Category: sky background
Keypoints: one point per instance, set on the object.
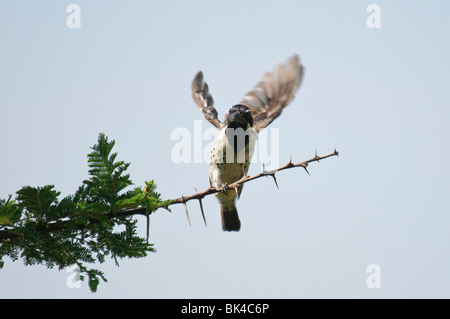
(379, 96)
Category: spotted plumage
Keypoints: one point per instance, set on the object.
(235, 143)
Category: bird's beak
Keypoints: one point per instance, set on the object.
(237, 119)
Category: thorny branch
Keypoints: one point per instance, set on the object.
(200, 195)
(245, 179)
(6, 234)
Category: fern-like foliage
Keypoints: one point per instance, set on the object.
(107, 176)
(83, 228)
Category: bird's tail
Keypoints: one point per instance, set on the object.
(230, 218)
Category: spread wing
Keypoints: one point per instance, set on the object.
(275, 91)
(204, 100)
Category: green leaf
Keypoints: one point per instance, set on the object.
(108, 176)
(10, 213)
(94, 280)
(37, 200)
(82, 228)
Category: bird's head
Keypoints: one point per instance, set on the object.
(239, 116)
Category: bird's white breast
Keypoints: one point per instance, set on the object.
(226, 172)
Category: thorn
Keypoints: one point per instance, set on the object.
(148, 227)
(275, 180)
(304, 166)
(203, 213)
(336, 152)
(9, 198)
(186, 209)
(316, 157)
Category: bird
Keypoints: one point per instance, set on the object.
(235, 142)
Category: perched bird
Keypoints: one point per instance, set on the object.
(234, 146)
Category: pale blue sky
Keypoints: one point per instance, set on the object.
(380, 96)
